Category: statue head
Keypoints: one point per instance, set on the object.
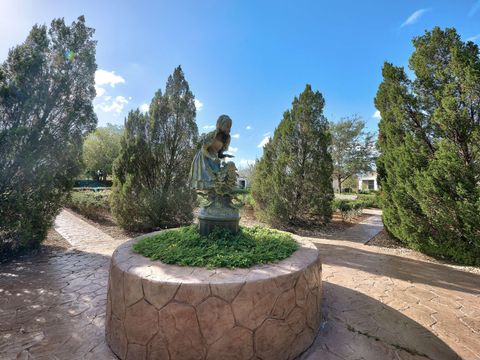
(224, 124)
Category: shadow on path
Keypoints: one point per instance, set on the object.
(52, 306)
(356, 326)
(398, 267)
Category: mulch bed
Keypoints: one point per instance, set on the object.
(383, 239)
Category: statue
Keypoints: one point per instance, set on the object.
(215, 179)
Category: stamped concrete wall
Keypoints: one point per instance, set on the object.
(158, 311)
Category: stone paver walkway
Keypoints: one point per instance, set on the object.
(383, 306)
(376, 305)
(84, 236)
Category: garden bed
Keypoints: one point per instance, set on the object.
(161, 311)
(222, 248)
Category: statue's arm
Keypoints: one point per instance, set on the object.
(221, 154)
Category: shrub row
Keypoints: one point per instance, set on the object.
(351, 208)
(91, 204)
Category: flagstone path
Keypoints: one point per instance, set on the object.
(377, 304)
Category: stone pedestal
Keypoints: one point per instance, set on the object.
(219, 213)
(159, 311)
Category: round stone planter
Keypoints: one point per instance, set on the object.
(157, 311)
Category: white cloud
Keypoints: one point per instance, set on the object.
(247, 162)
(232, 149)
(198, 105)
(104, 77)
(115, 105)
(209, 127)
(144, 107)
(264, 141)
(99, 90)
(376, 114)
(412, 19)
(249, 127)
(475, 37)
(236, 136)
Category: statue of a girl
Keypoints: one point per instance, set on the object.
(207, 169)
(215, 179)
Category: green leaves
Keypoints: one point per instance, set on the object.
(150, 187)
(45, 111)
(429, 143)
(101, 148)
(292, 180)
(185, 246)
(353, 149)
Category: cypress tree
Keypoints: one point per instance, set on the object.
(293, 179)
(46, 93)
(429, 141)
(150, 185)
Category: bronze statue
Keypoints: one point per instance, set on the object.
(209, 171)
(215, 179)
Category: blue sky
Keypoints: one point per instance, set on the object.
(247, 59)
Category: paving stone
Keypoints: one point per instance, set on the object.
(141, 322)
(301, 290)
(273, 340)
(133, 291)
(136, 352)
(254, 303)
(176, 316)
(117, 338)
(157, 294)
(157, 347)
(192, 295)
(311, 310)
(284, 304)
(297, 320)
(116, 287)
(301, 342)
(226, 291)
(215, 318)
(236, 344)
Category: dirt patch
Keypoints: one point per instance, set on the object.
(383, 239)
(54, 241)
(310, 229)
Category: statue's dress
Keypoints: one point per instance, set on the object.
(206, 164)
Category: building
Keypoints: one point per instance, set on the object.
(242, 183)
(368, 181)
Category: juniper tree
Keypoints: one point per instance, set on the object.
(46, 93)
(429, 142)
(293, 179)
(150, 185)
